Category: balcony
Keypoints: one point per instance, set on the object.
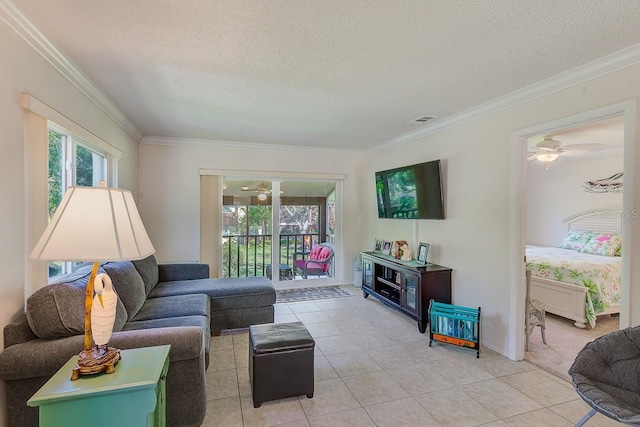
(248, 255)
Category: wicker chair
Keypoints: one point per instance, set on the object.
(605, 375)
(317, 262)
(534, 314)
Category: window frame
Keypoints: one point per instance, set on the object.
(70, 143)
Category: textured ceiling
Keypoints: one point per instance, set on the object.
(333, 73)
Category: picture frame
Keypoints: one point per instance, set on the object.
(386, 247)
(378, 245)
(423, 252)
(397, 245)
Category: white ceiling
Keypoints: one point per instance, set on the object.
(346, 74)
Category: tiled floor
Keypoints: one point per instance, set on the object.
(373, 368)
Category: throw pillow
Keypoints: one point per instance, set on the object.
(57, 310)
(576, 239)
(148, 270)
(128, 284)
(603, 244)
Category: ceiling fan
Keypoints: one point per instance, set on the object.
(550, 149)
(260, 188)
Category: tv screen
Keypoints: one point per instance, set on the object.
(410, 192)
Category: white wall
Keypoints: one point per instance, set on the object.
(554, 194)
(474, 239)
(170, 192)
(22, 70)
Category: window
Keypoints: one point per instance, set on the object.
(72, 162)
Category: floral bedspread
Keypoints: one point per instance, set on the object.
(599, 274)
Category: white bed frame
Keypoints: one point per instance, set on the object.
(566, 299)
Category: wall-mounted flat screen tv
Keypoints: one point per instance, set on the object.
(410, 192)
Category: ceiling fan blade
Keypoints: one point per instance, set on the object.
(535, 149)
(576, 153)
(586, 146)
(531, 157)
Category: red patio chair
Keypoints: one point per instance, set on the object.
(318, 262)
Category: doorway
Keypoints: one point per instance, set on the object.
(563, 186)
(277, 228)
(518, 214)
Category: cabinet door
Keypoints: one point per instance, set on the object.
(158, 417)
(367, 272)
(410, 289)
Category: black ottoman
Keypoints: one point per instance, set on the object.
(280, 361)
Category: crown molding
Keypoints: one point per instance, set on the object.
(25, 30)
(608, 64)
(246, 146)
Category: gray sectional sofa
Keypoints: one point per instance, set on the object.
(158, 304)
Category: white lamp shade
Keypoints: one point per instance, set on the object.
(94, 224)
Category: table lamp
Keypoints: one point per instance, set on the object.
(95, 224)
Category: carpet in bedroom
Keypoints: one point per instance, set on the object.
(564, 342)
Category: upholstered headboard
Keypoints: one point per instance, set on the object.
(603, 220)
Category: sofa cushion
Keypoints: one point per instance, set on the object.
(57, 310)
(228, 293)
(174, 306)
(148, 270)
(128, 284)
(169, 322)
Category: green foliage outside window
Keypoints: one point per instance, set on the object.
(84, 167)
(55, 171)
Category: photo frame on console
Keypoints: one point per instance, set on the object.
(423, 252)
(378, 245)
(386, 247)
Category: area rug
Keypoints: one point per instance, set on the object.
(564, 341)
(308, 294)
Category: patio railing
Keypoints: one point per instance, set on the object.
(248, 255)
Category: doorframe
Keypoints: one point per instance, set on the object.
(630, 297)
(278, 176)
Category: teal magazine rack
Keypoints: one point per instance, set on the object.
(453, 324)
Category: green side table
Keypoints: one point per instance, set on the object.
(134, 395)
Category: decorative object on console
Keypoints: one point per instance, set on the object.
(397, 248)
(423, 252)
(95, 224)
(378, 245)
(407, 255)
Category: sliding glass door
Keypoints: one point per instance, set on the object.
(302, 244)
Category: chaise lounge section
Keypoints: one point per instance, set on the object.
(175, 304)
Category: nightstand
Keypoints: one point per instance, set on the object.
(134, 395)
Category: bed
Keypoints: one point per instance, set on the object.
(576, 285)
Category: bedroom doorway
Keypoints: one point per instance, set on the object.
(571, 200)
(534, 193)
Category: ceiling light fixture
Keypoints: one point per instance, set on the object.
(547, 157)
(262, 197)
